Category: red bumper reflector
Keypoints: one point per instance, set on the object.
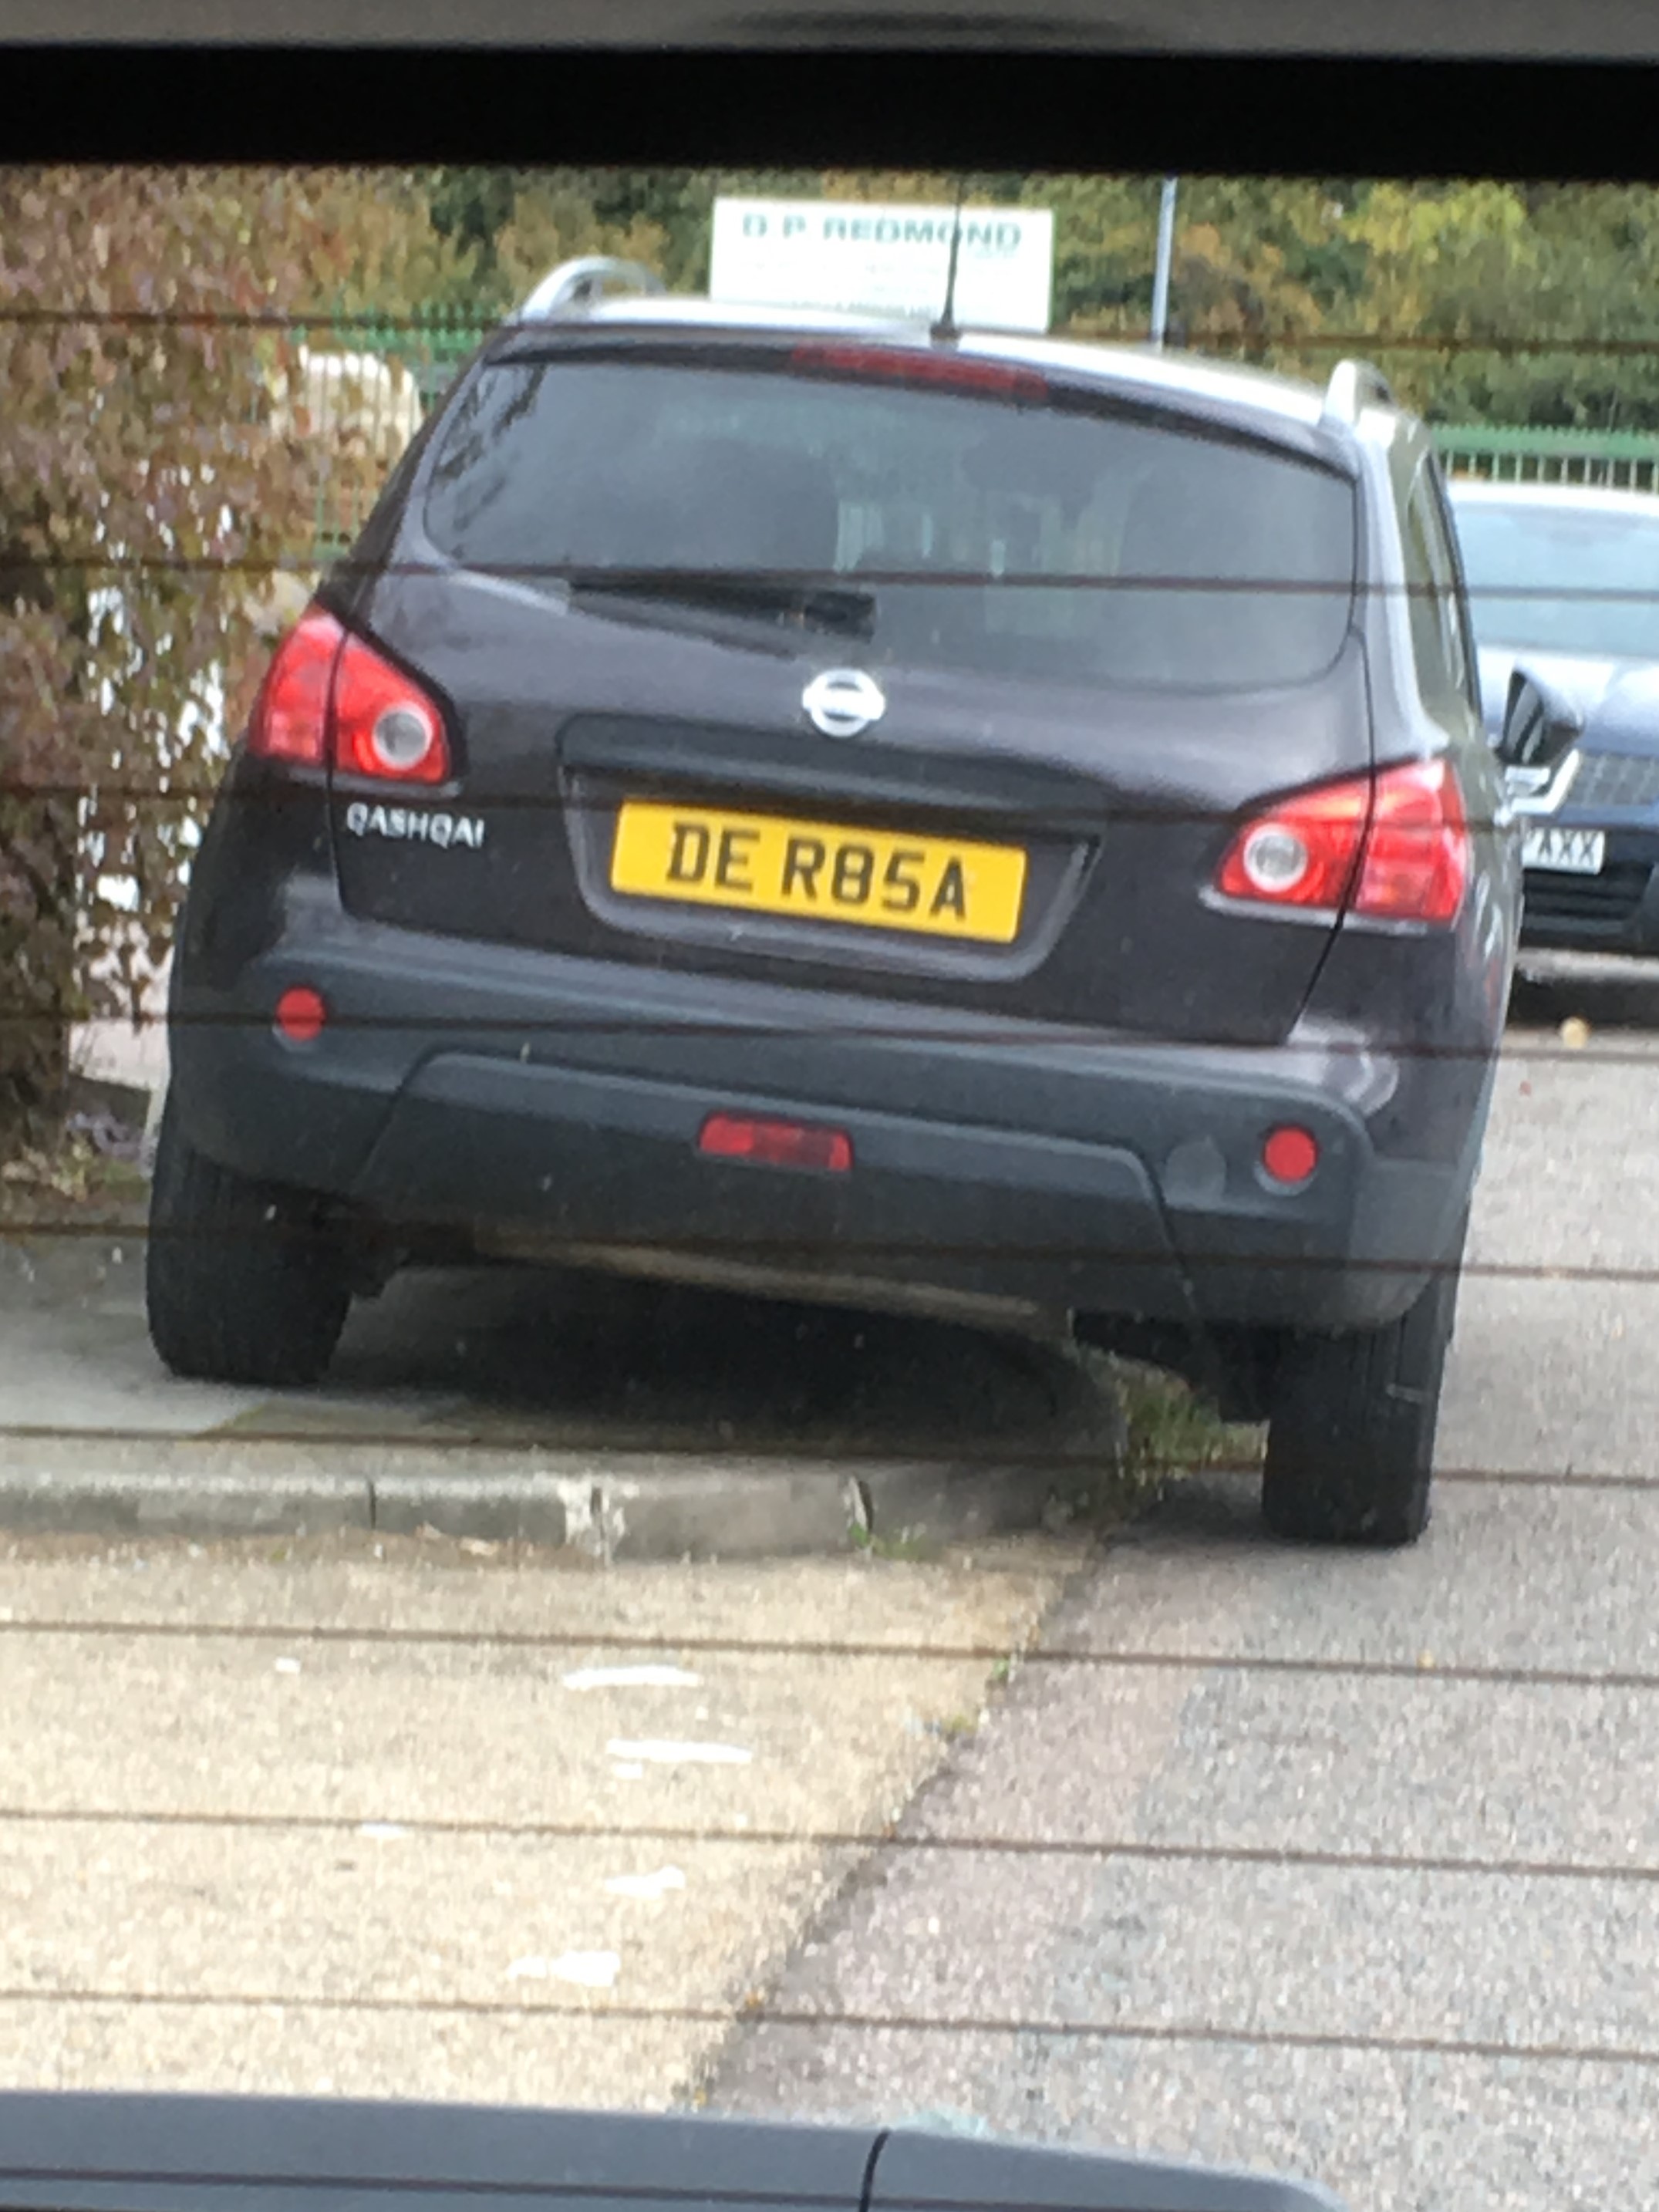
(1289, 1155)
(301, 1014)
(775, 1144)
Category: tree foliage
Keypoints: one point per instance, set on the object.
(1485, 302)
(146, 498)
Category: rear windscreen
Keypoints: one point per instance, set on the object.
(1015, 537)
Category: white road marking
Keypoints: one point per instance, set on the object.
(631, 1678)
(591, 1970)
(646, 1885)
(658, 1754)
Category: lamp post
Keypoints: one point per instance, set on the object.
(1165, 251)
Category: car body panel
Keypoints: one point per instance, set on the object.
(63, 2151)
(1126, 804)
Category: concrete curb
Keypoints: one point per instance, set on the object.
(163, 1502)
(602, 1506)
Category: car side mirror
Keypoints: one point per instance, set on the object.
(1540, 729)
(77, 2153)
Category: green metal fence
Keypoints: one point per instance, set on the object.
(1624, 460)
(433, 347)
(366, 385)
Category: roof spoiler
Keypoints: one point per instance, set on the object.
(577, 284)
(1355, 385)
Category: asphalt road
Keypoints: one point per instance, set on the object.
(1344, 1866)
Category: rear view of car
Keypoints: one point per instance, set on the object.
(783, 803)
(1564, 587)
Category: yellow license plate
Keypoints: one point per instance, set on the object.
(818, 871)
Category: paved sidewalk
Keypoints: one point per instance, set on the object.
(620, 1418)
(364, 1816)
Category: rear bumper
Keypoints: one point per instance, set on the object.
(554, 1105)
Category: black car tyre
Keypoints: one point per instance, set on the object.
(242, 1283)
(1351, 1436)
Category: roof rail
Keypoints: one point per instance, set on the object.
(1355, 385)
(579, 283)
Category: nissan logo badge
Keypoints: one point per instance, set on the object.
(844, 702)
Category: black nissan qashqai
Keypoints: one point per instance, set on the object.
(997, 827)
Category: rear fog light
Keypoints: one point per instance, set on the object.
(300, 1015)
(776, 1144)
(1289, 1155)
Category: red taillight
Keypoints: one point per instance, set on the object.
(301, 1014)
(1398, 844)
(384, 725)
(289, 720)
(776, 1144)
(1417, 850)
(907, 366)
(1303, 853)
(323, 681)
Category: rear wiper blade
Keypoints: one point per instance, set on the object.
(773, 598)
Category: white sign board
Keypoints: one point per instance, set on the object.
(885, 260)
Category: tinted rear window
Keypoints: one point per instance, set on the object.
(1015, 538)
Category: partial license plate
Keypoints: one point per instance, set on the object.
(819, 871)
(1568, 852)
